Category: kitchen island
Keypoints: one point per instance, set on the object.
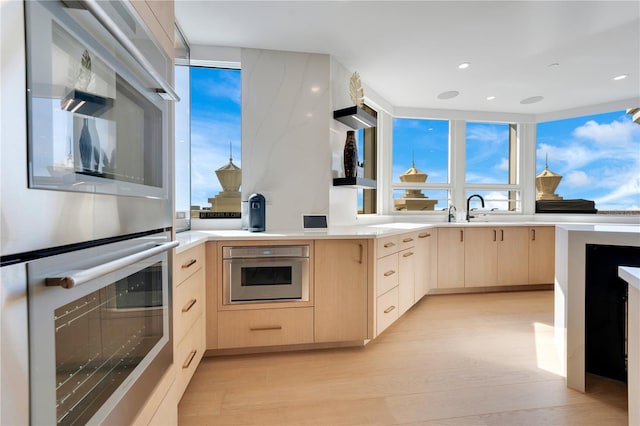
(632, 277)
(569, 290)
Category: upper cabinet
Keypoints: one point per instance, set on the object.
(159, 17)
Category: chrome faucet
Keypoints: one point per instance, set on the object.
(452, 214)
(468, 200)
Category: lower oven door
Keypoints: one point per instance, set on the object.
(99, 331)
(266, 279)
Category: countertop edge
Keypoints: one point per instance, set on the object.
(631, 275)
(189, 239)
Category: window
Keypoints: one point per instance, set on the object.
(367, 164)
(491, 165)
(215, 142)
(420, 165)
(597, 158)
(182, 173)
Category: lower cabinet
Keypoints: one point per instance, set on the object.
(386, 309)
(340, 304)
(486, 256)
(451, 253)
(265, 327)
(407, 280)
(422, 261)
(542, 253)
(188, 314)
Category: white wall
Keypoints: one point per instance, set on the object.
(286, 154)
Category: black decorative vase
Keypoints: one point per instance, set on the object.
(350, 154)
(86, 146)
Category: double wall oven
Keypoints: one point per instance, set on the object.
(88, 211)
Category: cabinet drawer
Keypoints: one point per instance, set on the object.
(188, 354)
(406, 241)
(387, 245)
(188, 304)
(387, 274)
(187, 263)
(387, 309)
(265, 327)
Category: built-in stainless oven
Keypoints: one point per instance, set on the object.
(98, 128)
(265, 273)
(99, 331)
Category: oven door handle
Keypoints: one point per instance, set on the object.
(71, 279)
(165, 90)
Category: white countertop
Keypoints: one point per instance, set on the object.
(630, 274)
(189, 239)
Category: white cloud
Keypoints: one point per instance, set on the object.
(503, 164)
(576, 178)
(616, 132)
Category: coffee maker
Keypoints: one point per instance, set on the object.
(257, 206)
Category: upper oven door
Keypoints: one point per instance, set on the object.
(97, 89)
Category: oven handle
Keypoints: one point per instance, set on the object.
(71, 279)
(165, 91)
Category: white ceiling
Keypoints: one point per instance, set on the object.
(408, 52)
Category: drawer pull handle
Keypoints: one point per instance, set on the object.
(425, 235)
(361, 253)
(494, 235)
(274, 327)
(461, 235)
(389, 273)
(533, 235)
(189, 263)
(407, 254)
(190, 357)
(387, 245)
(189, 305)
(389, 309)
(502, 235)
(407, 240)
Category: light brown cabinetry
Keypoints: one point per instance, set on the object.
(451, 251)
(480, 257)
(495, 256)
(400, 261)
(406, 282)
(422, 261)
(513, 255)
(542, 254)
(188, 313)
(341, 276)
(159, 16)
(265, 327)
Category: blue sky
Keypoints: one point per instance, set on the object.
(215, 123)
(599, 155)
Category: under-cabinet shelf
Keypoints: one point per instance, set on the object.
(355, 182)
(355, 117)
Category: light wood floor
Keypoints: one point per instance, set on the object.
(480, 359)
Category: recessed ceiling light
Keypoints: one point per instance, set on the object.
(315, 89)
(448, 95)
(464, 65)
(532, 100)
(620, 77)
(490, 98)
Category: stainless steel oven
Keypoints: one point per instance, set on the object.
(99, 330)
(265, 273)
(98, 128)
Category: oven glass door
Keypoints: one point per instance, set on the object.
(254, 280)
(90, 343)
(96, 122)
